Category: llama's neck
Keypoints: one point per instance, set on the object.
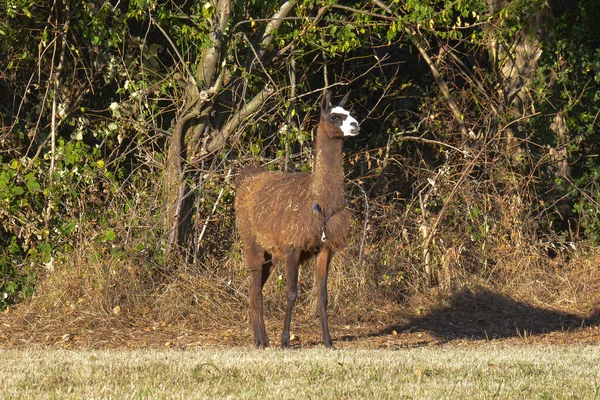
(328, 174)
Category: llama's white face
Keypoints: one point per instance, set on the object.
(347, 124)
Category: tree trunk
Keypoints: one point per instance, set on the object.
(515, 63)
(199, 95)
(192, 134)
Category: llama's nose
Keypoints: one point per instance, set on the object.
(355, 128)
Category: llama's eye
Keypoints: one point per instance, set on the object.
(335, 118)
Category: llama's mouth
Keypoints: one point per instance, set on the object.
(354, 131)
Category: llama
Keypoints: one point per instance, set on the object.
(294, 216)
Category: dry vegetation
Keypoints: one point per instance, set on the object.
(99, 300)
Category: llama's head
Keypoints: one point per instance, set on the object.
(337, 121)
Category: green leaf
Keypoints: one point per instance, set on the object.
(45, 251)
(33, 185)
(110, 235)
(208, 10)
(255, 148)
(68, 227)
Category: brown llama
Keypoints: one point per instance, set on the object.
(295, 216)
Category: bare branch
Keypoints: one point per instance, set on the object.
(191, 78)
(365, 225)
(463, 177)
(209, 63)
(59, 67)
(274, 24)
(382, 5)
(207, 107)
(250, 108)
(316, 19)
(258, 58)
(458, 116)
(214, 209)
(355, 10)
(292, 75)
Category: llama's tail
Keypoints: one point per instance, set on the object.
(247, 172)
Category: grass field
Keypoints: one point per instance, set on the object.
(482, 371)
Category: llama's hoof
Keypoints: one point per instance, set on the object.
(261, 345)
(285, 340)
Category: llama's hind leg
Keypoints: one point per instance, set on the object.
(323, 260)
(259, 268)
(291, 265)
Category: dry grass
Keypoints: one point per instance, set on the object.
(479, 372)
(500, 290)
(96, 302)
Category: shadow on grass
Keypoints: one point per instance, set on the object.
(484, 314)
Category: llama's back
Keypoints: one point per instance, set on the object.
(275, 209)
(248, 172)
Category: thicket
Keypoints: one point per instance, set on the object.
(124, 123)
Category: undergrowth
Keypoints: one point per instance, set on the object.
(96, 285)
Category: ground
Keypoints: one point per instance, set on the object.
(465, 320)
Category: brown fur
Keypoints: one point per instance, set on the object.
(276, 209)
(276, 220)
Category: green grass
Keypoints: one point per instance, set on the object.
(487, 371)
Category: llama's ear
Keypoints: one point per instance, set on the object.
(326, 103)
(344, 100)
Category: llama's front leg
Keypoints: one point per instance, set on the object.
(291, 292)
(323, 259)
(259, 273)
(256, 310)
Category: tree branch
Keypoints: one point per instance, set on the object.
(458, 116)
(176, 50)
(209, 63)
(267, 38)
(55, 90)
(274, 24)
(250, 108)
